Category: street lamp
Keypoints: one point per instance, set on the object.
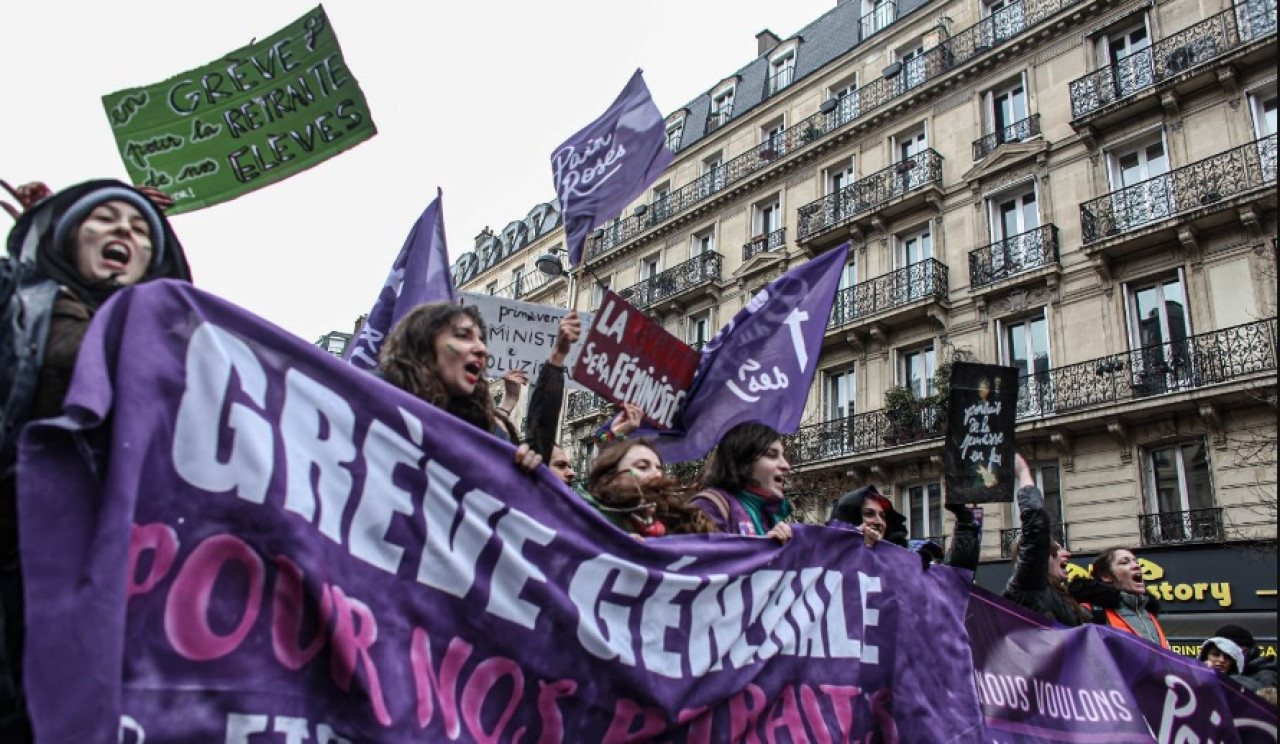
(549, 264)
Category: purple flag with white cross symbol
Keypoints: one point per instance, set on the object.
(420, 274)
(601, 168)
(760, 366)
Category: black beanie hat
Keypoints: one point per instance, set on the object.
(1237, 633)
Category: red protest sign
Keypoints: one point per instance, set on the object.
(628, 358)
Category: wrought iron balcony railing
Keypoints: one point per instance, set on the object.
(964, 46)
(871, 193)
(1191, 47)
(1196, 361)
(878, 19)
(1018, 131)
(763, 243)
(1185, 189)
(1057, 531)
(779, 80)
(1218, 356)
(1013, 255)
(584, 403)
(917, 281)
(719, 118)
(1195, 526)
(524, 285)
(676, 280)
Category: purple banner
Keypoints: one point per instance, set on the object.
(234, 537)
(609, 162)
(1041, 683)
(760, 366)
(419, 274)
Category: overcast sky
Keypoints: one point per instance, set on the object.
(469, 96)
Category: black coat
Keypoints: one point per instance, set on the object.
(1029, 584)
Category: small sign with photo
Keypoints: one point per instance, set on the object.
(978, 459)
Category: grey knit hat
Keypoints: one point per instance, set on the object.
(70, 220)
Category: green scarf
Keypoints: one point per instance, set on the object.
(761, 506)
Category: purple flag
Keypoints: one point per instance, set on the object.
(420, 274)
(233, 537)
(759, 367)
(1043, 683)
(611, 161)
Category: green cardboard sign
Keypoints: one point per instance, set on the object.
(258, 115)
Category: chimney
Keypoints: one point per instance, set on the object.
(766, 41)
(484, 235)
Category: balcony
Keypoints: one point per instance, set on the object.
(861, 433)
(1194, 362)
(584, 404)
(764, 243)
(871, 194)
(699, 271)
(1204, 187)
(1057, 531)
(877, 20)
(1015, 255)
(524, 285)
(969, 44)
(1177, 528)
(1170, 59)
(719, 118)
(1018, 131)
(780, 79)
(926, 279)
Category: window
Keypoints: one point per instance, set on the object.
(699, 329)
(660, 207)
(849, 276)
(1264, 113)
(491, 288)
(913, 65)
(914, 247)
(675, 131)
(650, 266)
(1048, 479)
(1002, 20)
(876, 14)
(916, 371)
(1177, 485)
(838, 391)
(1139, 193)
(845, 92)
(712, 178)
(773, 140)
(781, 72)
(1012, 215)
(911, 173)
(517, 281)
(924, 511)
(1128, 52)
(1008, 112)
(702, 242)
(721, 109)
(1159, 324)
(598, 289)
(767, 216)
(837, 179)
(1025, 344)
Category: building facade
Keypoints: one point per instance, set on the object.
(1082, 189)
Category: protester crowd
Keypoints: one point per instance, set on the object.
(70, 251)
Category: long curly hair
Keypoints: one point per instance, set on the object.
(408, 361)
(669, 496)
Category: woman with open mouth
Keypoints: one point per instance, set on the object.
(68, 254)
(629, 487)
(743, 488)
(1117, 595)
(437, 352)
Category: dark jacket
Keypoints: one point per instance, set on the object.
(543, 418)
(848, 509)
(965, 540)
(1259, 670)
(1029, 583)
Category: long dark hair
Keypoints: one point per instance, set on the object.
(730, 465)
(408, 360)
(668, 495)
(1059, 587)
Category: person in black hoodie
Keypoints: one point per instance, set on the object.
(68, 254)
(1260, 670)
(1039, 577)
(873, 514)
